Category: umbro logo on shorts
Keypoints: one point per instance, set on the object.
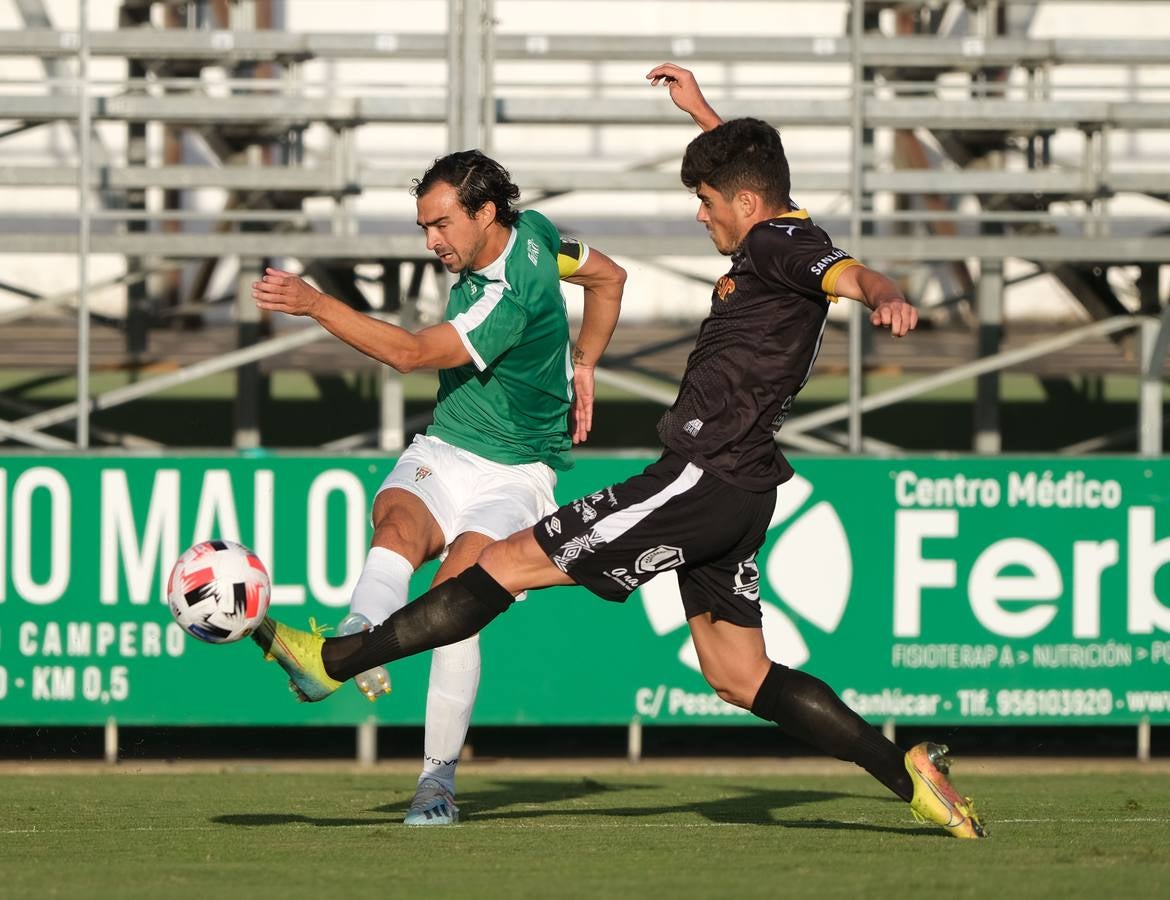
(421, 472)
(553, 526)
(574, 548)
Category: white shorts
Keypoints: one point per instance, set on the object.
(465, 492)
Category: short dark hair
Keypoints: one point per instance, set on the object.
(742, 154)
(477, 178)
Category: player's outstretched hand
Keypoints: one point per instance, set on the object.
(285, 292)
(897, 315)
(581, 413)
(684, 91)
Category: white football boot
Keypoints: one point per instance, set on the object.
(433, 804)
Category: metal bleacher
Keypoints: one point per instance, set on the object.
(948, 114)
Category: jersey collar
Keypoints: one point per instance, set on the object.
(494, 271)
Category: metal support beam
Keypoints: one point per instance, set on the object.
(118, 396)
(839, 411)
(33, 437)
(857, 164)
(465, 74)
(110, 742)
(634, 741)
(392, 396)
(1153, 344)
(249, 381)
(46, 302)
(84, 139)
(988, 439)
(367, 742)
(1143, 740)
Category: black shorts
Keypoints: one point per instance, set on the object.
(671, 516)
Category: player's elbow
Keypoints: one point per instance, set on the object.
(610, 277)
(619, 278)
(408, 358)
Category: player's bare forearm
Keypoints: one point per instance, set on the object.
(684, 91)
(889, 307)
(438, 347)
(604, 282)
(383, 341)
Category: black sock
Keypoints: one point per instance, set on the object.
(807, 708)
(450, 612)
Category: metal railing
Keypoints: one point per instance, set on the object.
(471, 108)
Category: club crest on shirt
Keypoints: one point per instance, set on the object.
(724, 286)
(421, 472)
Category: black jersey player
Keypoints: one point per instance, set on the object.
(703, 508)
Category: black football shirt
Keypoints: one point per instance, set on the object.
(755, 351)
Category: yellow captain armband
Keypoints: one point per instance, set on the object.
(571, 256)
(829, 279)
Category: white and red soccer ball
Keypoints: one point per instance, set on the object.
(218, 591)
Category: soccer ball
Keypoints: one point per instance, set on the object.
(218, 591)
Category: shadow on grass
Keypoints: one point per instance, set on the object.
(743, 805)
(527, 801)
(258, 820)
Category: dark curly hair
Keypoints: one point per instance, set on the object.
(477, 179)
(742, 154)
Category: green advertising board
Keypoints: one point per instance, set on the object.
(925, 590)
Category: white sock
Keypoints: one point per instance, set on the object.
(450, 698)
(383, 586)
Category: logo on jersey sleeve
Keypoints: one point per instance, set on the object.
(826, 262)
(533, 251)
(724, 286)
(421, 472)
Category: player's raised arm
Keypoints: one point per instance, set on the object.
(603, 281)
(890, 308)
(684, 91)
(437, 347)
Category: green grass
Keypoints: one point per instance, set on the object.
(326, 836)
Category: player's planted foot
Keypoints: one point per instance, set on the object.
(375, 682)
(299, 654)
(433, 804)
(935, 799)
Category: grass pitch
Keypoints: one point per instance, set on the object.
(119, 834)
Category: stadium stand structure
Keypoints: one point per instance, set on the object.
(950, 112)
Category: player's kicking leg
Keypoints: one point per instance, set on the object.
(447, 613)
(735, 664)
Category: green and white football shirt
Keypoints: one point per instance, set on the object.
(511, 403)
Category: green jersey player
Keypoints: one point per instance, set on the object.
(514, 396)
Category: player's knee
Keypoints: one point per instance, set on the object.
(494, 558)
(392, 532)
